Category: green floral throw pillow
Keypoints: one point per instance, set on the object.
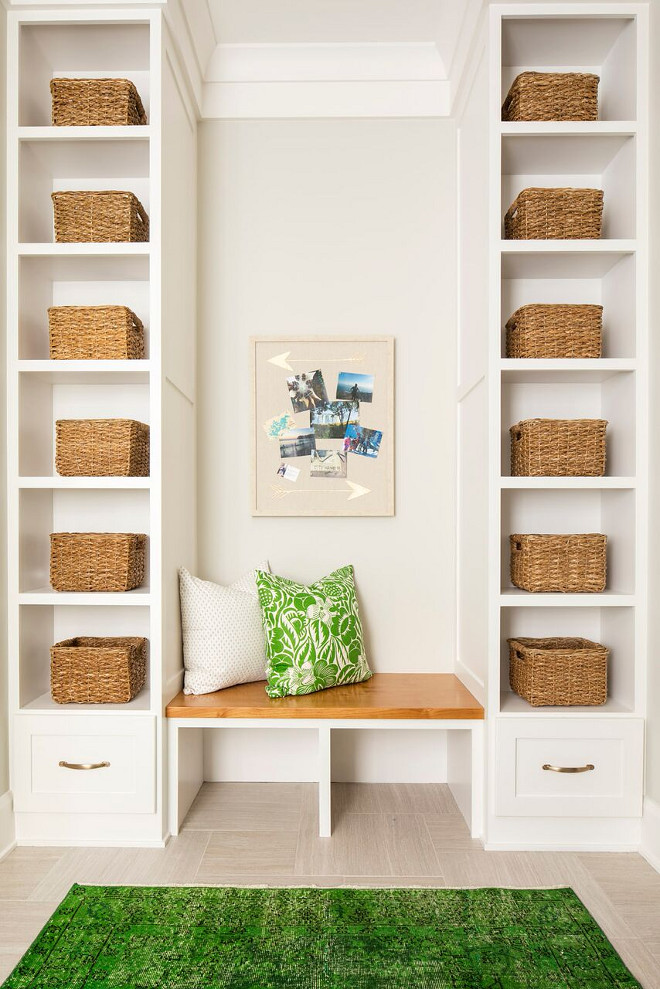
(313, 634)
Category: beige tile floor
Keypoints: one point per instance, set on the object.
(383, 835)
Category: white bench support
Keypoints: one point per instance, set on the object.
(464, 759)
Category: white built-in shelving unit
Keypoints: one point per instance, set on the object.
(123, 802)
(528, 806)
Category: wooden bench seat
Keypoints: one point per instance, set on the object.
(435, 701)
(385, 695)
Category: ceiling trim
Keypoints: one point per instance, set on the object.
(326, 80)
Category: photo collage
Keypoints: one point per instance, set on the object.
(325, 428)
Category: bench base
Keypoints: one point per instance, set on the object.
(465, 738)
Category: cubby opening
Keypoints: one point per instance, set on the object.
(43, 626)
(76, 281)
(574, 511)
(612, 399)
(605, 46)
(611, 627)
(42, 404)
(92, 51)
(44, 511)
(604, 162)
(63, 166)
(615, 291)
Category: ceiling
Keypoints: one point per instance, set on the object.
(278, 22)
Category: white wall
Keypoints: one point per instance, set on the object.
(322, 227)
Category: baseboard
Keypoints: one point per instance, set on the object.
(7, 831)
(650, 845)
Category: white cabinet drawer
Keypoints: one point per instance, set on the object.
(119, 751)
(531, 750)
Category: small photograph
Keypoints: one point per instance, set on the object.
(276, 425)
(328, 463)
(288, 472)
(330, 420)
(355, 387)
(297, 443)
(307, 391)
(364, 441)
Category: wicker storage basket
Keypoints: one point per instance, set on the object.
(95, 102)
(555, 331)
(95, 333)
(558, 671)
(555, 214)
(101, 448)
(558, 448)
(97, 561)
(571, 564)
(99, 217)
(552, 96)
(97, 670)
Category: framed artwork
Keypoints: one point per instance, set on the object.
(323, 425)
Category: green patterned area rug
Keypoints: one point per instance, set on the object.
(119, 937)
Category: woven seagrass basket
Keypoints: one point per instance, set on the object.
(552, 96)
(101, 448)
(99, 217)
(88, 670)
(555, 214)
(570, 564)
(555, 331)
(95, 102)
(558, 448)
(558, 671)
(95, 333)
(97, 561)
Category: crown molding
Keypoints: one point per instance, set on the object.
(326, 80)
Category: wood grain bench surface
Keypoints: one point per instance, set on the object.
(385, 695)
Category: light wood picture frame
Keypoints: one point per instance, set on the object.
(322, 426)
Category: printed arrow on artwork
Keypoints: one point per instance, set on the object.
(356, 491)
(285, 361)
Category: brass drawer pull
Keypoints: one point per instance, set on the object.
(569, 769)
(83, 765)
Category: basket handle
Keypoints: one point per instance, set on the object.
(516, 547)
(506, 106)
(141, 212)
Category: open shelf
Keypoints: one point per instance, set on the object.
(612, 627)
(567, 483)
(562, 259)
(44, 510)
(568, 128)
(604, 162)
(118, 599)
(514, 706)
(612, 399)
(118, 133)
(604, 45)
(91, 50)
(611, 512)
(44, 704)
(574, 371)
(513, 598)
(614, 289)
(62, 166)
(42, 404)
(85, 483)
(42, 627)
(66, 279)
(110, 249)
(87, 372)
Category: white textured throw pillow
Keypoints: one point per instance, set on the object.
(223, 636)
